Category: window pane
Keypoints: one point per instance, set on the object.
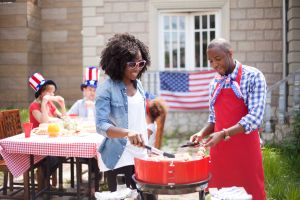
(174, 22)
(212, 35)
(182, 50)
(181, 23)
(167, 50)
(197, 21)
(174, 49)
(212, 21)
(166, 22)
(204, 21)
(197, 49)
(204, 47)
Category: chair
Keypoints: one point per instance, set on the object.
(10, 124)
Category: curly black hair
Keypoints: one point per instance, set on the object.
(120, 49)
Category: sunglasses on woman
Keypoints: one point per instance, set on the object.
(134, 65)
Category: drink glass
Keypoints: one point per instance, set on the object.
(27, 127)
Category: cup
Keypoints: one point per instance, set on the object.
(27, 127)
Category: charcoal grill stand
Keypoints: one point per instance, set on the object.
(172, 189)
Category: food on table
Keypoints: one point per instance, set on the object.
(53, 129)
(41, 130)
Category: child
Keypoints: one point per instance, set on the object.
(83, 106)
(86, 108)
(120, 107)
(42, 109)
(156, 110)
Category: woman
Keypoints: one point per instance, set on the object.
(120, 107)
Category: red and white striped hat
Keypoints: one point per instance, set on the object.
(91, 77)
(36, 81)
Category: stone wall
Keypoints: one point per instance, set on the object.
(293, 37)
(13, 54)
(61, 24)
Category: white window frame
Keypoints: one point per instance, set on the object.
(189, 39)
(158, 6)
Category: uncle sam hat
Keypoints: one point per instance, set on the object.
(37, 82)
(91, 77)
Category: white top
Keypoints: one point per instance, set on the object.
(136, 122)
(153, 128)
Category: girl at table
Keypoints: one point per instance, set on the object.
(43, 110)
(120, 107)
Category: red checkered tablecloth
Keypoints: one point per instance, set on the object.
(16, 149)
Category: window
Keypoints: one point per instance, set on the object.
(183, 39)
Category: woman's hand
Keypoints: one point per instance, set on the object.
(196, 138)
(214, 139)
(135, 139)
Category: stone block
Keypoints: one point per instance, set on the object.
(277, 3)
(33, 22)
(293, 35)
(88, 11)
(89, 51)
(294, 23)
(273, 35)
(234, 25)
(246, 46)
(277, 45)
(91, 61)
(7, 21)
(92, 21)
(12, 70)
(278, 67)
(237, 13)
(117, 27)
(120, 7)
(263, 45)
(113, 17)
(263, 3)
(263, 24)
(127, 17)
(142, 17)
(54, 13)
(293, 13)
(255, 56)
(13, 33)
(13, 46)
(88, 31)
(255, 13)
(294, 3)
(238, 35)
(13, 58)
(13, 9)
(33, 35)
(273, 56)
(272, 13)
(139, 6)
(265, 67)
(294, 45)
(93, 41)
(92, 3)
(240, 56)
(246, 3)
(277, 23)
(294, 57)
(245, 25)
(54, 36)
(255, 35)
(137, 27)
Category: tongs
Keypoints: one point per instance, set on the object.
(159, 152)
(191, 144)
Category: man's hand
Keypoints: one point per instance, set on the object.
(196, 138)
(214, 139)
(135, 139)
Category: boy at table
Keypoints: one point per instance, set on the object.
(85, 108)
(43, 110)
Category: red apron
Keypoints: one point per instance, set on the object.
(237, 161)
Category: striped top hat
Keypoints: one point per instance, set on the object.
(37, 81)
(91, 77)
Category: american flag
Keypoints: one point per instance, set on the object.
(186, 90)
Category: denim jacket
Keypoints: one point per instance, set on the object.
(112, 110)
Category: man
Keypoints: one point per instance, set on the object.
(237, 102)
